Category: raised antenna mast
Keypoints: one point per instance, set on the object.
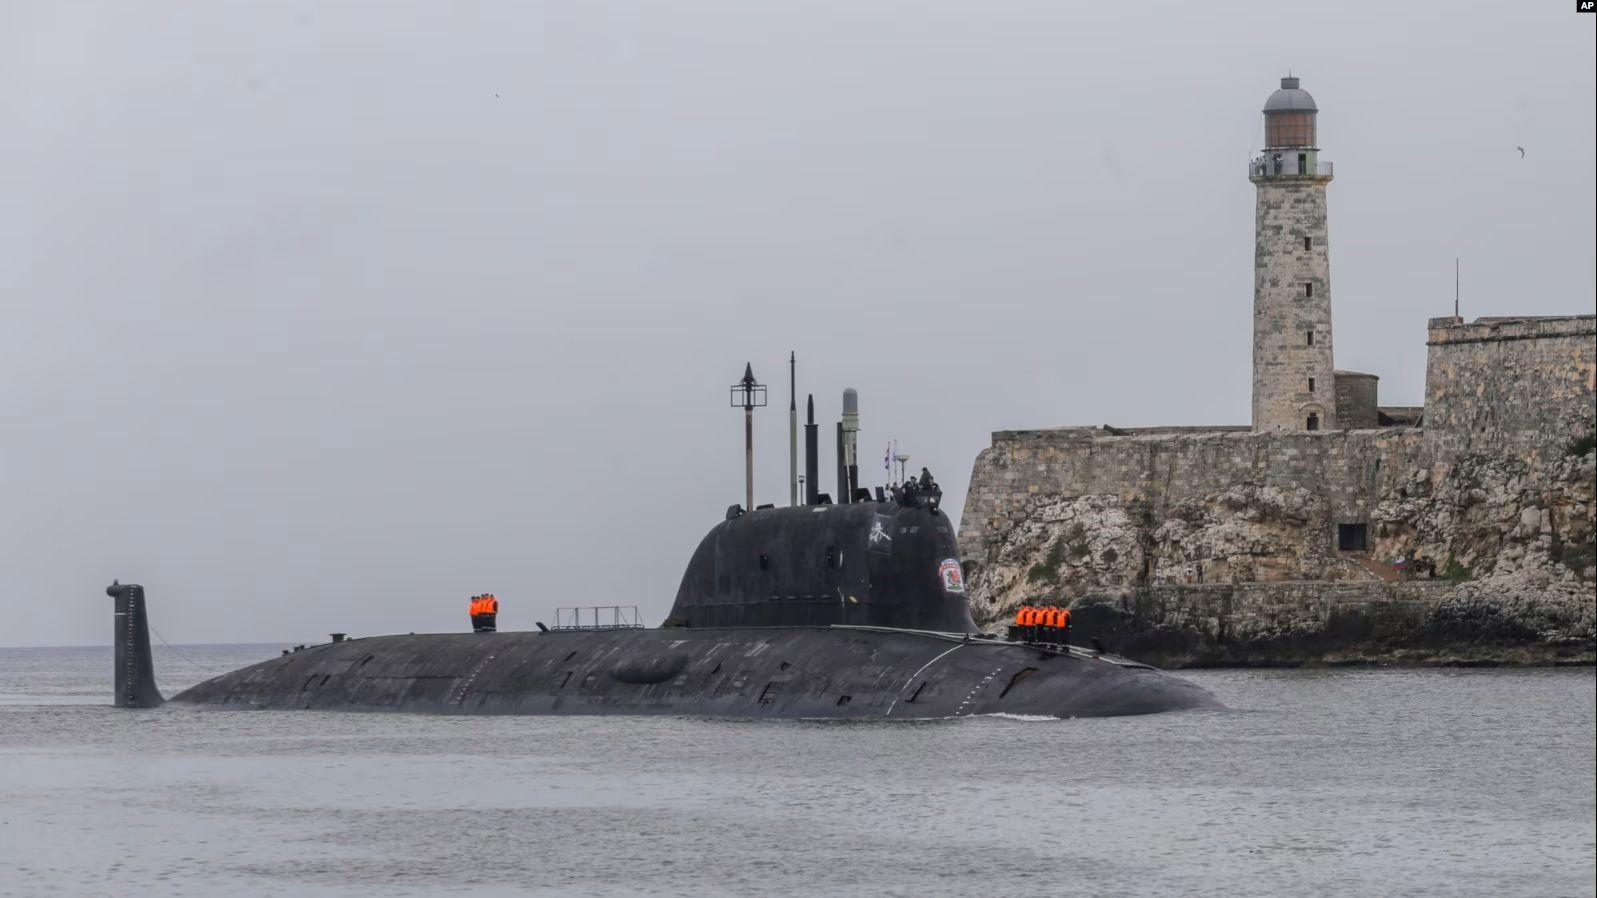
(792, 429)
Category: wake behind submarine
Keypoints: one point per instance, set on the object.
(848, 611)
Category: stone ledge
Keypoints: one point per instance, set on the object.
(1447, 331)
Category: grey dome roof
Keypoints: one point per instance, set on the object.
(1290, 98)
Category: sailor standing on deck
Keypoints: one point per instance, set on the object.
(484, 612)
(489, 614)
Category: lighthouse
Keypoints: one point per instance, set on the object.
(1293, 380)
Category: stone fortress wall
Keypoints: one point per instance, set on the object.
(1495, 488)
(1515, 385)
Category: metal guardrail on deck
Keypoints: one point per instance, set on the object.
(598, 617)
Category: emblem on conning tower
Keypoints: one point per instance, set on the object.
(953, 576)
(880, 538)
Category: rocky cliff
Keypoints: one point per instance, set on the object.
(1199, 577)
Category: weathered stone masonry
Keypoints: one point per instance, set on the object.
(1509, 385)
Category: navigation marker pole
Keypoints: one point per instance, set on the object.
(751, 396)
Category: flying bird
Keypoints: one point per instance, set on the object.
(1521, 152)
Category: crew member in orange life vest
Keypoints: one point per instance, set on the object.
(484, 613)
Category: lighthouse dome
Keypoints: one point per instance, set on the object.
(1290, 98)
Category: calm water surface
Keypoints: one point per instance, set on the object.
(1316, 783)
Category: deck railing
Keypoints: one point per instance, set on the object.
(598, 617)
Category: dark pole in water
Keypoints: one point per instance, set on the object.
(750, 395)
(812, 454)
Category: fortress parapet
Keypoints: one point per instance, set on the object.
(1510, 385)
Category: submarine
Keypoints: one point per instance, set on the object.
(812, 611)
(855, 610)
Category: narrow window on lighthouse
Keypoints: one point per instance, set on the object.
(1311, 385)
(1308, 243)
(1308, 289)
(1311, 338)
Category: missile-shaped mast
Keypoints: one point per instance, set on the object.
(812, 454)
(750, 395)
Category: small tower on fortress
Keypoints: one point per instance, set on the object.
(1293, 381)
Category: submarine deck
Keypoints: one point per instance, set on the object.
(838, 671)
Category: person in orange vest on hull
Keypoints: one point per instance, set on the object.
(484, 613)
(490, 613)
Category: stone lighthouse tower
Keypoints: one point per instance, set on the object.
(1293, 383)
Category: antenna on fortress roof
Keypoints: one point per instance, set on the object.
(1455, 286)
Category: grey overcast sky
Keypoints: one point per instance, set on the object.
(325, 316)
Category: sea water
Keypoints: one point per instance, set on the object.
(1344, 782)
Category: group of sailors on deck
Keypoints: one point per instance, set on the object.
(484, 611)
(1041, 623)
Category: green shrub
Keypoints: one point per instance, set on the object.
(1458, 573)
(1577, 557)
(1056, 554)
(1582, 445)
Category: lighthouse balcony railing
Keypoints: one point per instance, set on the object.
(1286, 167)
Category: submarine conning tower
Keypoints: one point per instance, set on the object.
(892, 562)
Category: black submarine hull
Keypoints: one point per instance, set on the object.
(843, 672)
